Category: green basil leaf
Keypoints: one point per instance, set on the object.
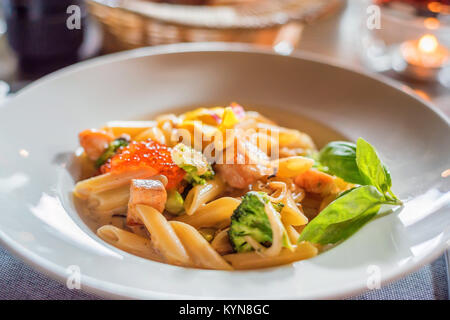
(370, 166)
(345, 192)
(341, 231)
(339, 157)
(344, 216)
(388, 176)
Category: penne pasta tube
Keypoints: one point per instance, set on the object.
(163, 236)
(253, 260)
(291, 214)
(110, 201)
(108, 181)
(215, 214)
(200, 251)
(201, 194)
(169, 131)
(129, 242)
(132, 128)
(295, 139)
(292, 233)
(152, 133)
(293, 166)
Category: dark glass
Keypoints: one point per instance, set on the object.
(37, 29)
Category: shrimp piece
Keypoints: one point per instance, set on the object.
(95, 142)
(315, 181)
(250, 164)
(147, 192)
(240, 176)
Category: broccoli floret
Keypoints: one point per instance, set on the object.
(194, 178)
(250, 219)
(197, 168)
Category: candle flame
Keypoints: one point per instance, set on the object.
(428, 43)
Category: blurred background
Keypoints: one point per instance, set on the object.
(408, 40)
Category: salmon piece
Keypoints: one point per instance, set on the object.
(315, 181)
(147, 192)
(95, 142)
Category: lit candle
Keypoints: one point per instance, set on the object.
(423, 58)
(425, 52)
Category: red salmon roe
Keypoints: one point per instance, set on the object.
(146, 154)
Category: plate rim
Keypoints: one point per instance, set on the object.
(226, 47)
(107, 289)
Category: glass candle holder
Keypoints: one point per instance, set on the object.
(408, 37)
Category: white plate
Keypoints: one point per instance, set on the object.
(38, 133)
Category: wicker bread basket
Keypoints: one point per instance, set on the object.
(129, 24)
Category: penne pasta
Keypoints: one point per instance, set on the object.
(199, 134)
(129, 242)
(152, 133)
(291, 214)
(163, 236)
(293, 234)
(131, 128)
(293, 166)
(109, 202)
(215, 214)
(108, 181)
(201, 194)
(295, 139)
(253, 260)
(167, 125)
(200, 251)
